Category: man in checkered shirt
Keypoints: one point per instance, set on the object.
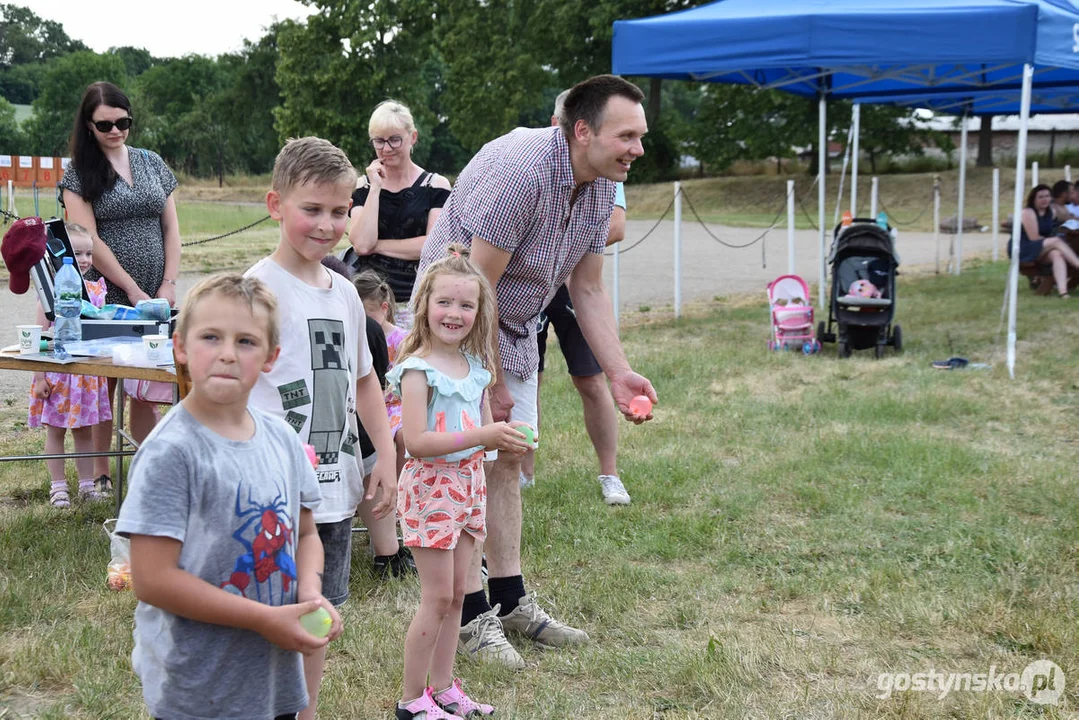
(535, 207)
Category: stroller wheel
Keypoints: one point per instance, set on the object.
(878, 351)
(820, 331)
(844, 349)
(897, 339)
(807, 347)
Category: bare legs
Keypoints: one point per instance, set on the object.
(503, 545)
(1060, 254)
(432, 636)
(54, 445)
(600, 420)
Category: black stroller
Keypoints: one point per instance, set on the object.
(862, 303)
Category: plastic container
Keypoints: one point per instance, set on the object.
(67, 290)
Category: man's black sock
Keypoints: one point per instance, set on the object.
(475, 604)
(506, 592)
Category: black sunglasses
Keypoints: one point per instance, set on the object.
(104, 126)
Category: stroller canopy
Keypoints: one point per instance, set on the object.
(862, 238)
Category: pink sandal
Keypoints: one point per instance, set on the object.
(455, 701)
(58, 496)
(426, 705)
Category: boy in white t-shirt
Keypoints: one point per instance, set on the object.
(323, 375)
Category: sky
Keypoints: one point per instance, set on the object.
(167, 28)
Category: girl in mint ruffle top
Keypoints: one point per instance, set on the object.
(443, 367)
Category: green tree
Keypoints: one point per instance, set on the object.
(347, 57)
(166, 94)
(249, 102)
(20, 83)
(48, 130)
(26, 38)
(136, 60)
(11, 138)
(888, 130)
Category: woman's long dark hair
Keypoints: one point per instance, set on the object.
(1034, 193)
(95, 170)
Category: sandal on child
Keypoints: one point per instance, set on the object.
(103, 483)
(453, 700)
(59, 498)
(426, 707)
(88, 491)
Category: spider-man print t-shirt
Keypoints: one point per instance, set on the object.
(235, 507)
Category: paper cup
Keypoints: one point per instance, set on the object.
(155, 347)
(29, 339)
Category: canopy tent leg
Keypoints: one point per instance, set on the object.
(790, 227)
(856, 118)
(1020, 175)
(822, 159)
(962, 196)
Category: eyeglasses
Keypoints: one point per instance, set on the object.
(394, 142)
(104, 126)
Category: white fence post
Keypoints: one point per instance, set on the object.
(677, 249)
(1034, 174)
(790, 226)
(936, 217)
(874, 193)
(1068, 173)
(996, 213)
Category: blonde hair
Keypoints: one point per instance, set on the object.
(76, 229)
(311, 160)
(250, 290)
(390, 113)
(372, 286)
(481, 341)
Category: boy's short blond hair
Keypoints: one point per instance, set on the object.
(311, 160)
(233, 286)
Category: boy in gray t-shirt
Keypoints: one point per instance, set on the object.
(225, 556)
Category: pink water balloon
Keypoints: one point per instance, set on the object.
(311, 456)
(640, 406)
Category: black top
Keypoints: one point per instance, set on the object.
(401, 215)
(380, 361)
(1029, 249)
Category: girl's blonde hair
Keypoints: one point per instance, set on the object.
(481, 341)
(372, 286)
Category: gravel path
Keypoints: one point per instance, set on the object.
(647, 271)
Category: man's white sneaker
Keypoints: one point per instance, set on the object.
(532, 621)
(614, 492)
(483, 640)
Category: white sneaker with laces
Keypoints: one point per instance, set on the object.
(614, 492)
(532, 621)
(483, 639)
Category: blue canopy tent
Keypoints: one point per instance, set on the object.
(853, 49)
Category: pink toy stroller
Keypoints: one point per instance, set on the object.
(792, 315)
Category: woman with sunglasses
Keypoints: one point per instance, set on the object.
(396, 202)
(123, 196)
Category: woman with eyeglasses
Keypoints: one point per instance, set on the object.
(396, 202)
(124, 197)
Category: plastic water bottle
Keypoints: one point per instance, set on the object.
(882, 219)
(67, 295)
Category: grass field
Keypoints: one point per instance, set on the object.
(799, 525)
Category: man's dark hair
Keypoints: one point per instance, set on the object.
(1060, 187)
(588, 99)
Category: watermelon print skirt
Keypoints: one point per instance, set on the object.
(436, 501)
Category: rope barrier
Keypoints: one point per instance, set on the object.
(893, 220)
(622, 251)
(760, 237)
(225, 235)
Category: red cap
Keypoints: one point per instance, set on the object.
(23, 248)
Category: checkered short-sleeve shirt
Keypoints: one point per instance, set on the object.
(515, 194)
